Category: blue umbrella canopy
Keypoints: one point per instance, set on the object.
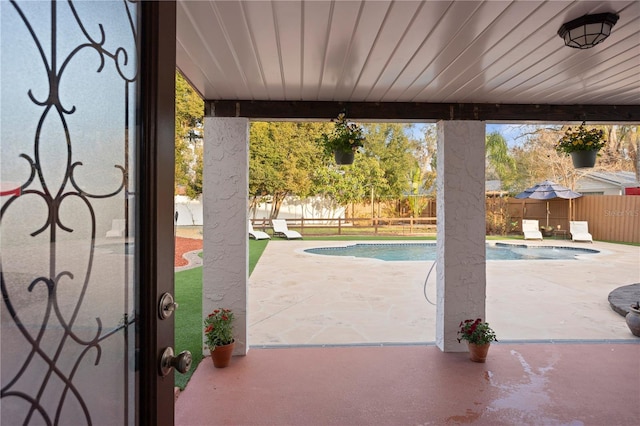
(548, 190)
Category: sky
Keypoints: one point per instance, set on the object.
(509, 131)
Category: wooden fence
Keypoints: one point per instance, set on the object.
(610, 218)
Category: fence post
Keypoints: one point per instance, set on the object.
(339, 226)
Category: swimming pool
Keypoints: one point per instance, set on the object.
(427, 251)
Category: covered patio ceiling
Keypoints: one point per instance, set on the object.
(409, 60)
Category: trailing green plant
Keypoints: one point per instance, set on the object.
(218, 328)
(476, 331)
(581, 139)
(346, 136)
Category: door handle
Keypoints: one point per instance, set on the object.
(182, 362)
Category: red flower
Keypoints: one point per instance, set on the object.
(224, 318)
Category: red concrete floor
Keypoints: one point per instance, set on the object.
(520, 384)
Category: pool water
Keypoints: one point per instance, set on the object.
(427, 251)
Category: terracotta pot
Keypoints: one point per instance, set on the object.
(221, 355)
(343, 157)
(582, 159)
(633, 321)
(478, 353)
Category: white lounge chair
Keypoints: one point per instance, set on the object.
(580, 231)
(531, 230)
(257, 235)
(280, 229)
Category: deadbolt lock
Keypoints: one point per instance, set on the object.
(166, 306)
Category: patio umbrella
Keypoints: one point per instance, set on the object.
(548, 190)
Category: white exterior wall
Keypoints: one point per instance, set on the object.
(225, 245)
(189, 211)
(590, 185)
(461, 256)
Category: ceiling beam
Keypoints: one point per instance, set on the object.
(421, 112)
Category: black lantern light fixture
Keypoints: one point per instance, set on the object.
(588, 30)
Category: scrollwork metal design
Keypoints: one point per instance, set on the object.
(37, 185)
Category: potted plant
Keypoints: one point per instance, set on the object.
(546, 231)
(582, 144)
(218, 333)
(633, 319)
(479, 336)
(344, 141)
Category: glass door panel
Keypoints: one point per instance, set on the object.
(68, 99)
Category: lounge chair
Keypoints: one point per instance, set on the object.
(257, 235)
(280, 229)
(531, 230)
(580, 231)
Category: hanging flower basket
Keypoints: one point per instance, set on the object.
(582, 144)
(583, 159)
(344, 141)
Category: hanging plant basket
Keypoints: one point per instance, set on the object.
(344, 157)
(583, 159)
(343, 141)
(582, 144)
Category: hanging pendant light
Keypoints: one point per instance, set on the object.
(588, 30)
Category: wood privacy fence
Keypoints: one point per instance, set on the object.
(610, 217)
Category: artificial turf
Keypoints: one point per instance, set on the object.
(189, 319)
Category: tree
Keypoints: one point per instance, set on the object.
(282, 158)
(189, 130)
(389, 144)
(500, 164)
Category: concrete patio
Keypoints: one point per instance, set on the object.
(347, 341)
(296, 298)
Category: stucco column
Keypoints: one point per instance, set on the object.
(224, 202)
(461, 257)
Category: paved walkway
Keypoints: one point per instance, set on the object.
(296, 298)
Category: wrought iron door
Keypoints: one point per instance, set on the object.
(69, 132)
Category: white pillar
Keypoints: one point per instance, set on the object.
(225, 246)
(461, 267)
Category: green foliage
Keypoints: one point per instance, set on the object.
(282, 159)
(194, 186)
(218, 328)
(416, 202)
(390, 146)
(500, 163)
(188, 123)
(476, 332)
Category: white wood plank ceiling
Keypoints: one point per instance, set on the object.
(505, 52)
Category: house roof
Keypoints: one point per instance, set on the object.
(256, 57)
(619, 179)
